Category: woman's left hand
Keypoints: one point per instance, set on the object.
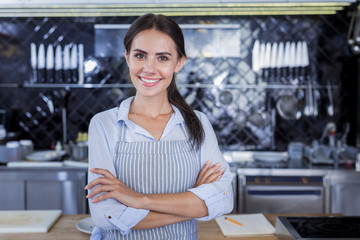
(112, 187)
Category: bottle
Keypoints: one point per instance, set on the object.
(357, 164)
(332, 136)
(58, 146)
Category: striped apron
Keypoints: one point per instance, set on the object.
(156, 167)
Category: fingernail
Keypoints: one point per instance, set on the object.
(218, 164)
(86, 187)
(87, 196)
(208, 162)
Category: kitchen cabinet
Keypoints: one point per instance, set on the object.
(13, 194)
(44, 189)
(345, 192)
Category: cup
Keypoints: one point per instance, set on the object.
(27, 147)
(13, 151)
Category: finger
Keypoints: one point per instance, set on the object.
(211, 170)
(100, 189)
(100, 180)
(102, 197)
(215, 176)
(104, 172)
(203, 170)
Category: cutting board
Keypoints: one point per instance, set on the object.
(28, 221)
(252, 225)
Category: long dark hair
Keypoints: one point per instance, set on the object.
(168, 26)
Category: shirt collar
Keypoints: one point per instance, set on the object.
(124, 109)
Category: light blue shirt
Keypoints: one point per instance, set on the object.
(103, 136)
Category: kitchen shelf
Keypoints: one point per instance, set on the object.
(128, 85)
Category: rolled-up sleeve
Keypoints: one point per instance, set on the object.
(218, 196)
(109, 213)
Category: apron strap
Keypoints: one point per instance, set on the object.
(120, 138)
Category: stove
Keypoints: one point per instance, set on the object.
(319, 228)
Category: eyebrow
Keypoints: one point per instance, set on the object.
(159, 53)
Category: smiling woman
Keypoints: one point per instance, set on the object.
(155, 164)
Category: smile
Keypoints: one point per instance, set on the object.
(149, 80)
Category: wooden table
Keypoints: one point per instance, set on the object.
(65, 229)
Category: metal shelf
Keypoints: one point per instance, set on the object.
(128, 85)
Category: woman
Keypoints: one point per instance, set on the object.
(154, 164)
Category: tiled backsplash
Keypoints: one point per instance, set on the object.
(232, 106)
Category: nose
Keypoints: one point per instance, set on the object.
(149, 66)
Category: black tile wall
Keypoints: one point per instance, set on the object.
(29, 114)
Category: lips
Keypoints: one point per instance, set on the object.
(149, 82)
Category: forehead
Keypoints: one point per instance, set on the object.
(153, 41)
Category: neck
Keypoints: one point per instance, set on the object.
(152, 107)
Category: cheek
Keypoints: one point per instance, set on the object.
(167, 70)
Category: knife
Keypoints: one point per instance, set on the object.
(308, 110)
(262, 59)
(286, 60)
(292, 63)
(58, 65)
(67, 76)
(81, 63)
(33, 62)
(298, 60)
(50, 64)
(273, 65)
(280, 62)
(41, 64)
(267, 59)
(255, 57)
(73, 63)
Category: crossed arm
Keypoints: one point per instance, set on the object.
(164, 209)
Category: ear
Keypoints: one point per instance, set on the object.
(180, 64)
(127, 57)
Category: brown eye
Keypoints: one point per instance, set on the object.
(139, 56)
(163, 58)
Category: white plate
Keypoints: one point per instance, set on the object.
(271, 156)
(45, 155)
(85, 225)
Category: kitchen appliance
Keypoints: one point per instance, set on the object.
(318, 228)
(280, 193)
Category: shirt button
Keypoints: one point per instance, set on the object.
(225, 193)
(109, 217)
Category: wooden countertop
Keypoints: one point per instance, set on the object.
(65, 229)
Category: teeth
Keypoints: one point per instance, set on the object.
(148, 81)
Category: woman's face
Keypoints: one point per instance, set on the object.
(152, 61)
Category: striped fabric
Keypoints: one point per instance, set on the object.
(157, 167)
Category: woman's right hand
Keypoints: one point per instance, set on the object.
(209, 174)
